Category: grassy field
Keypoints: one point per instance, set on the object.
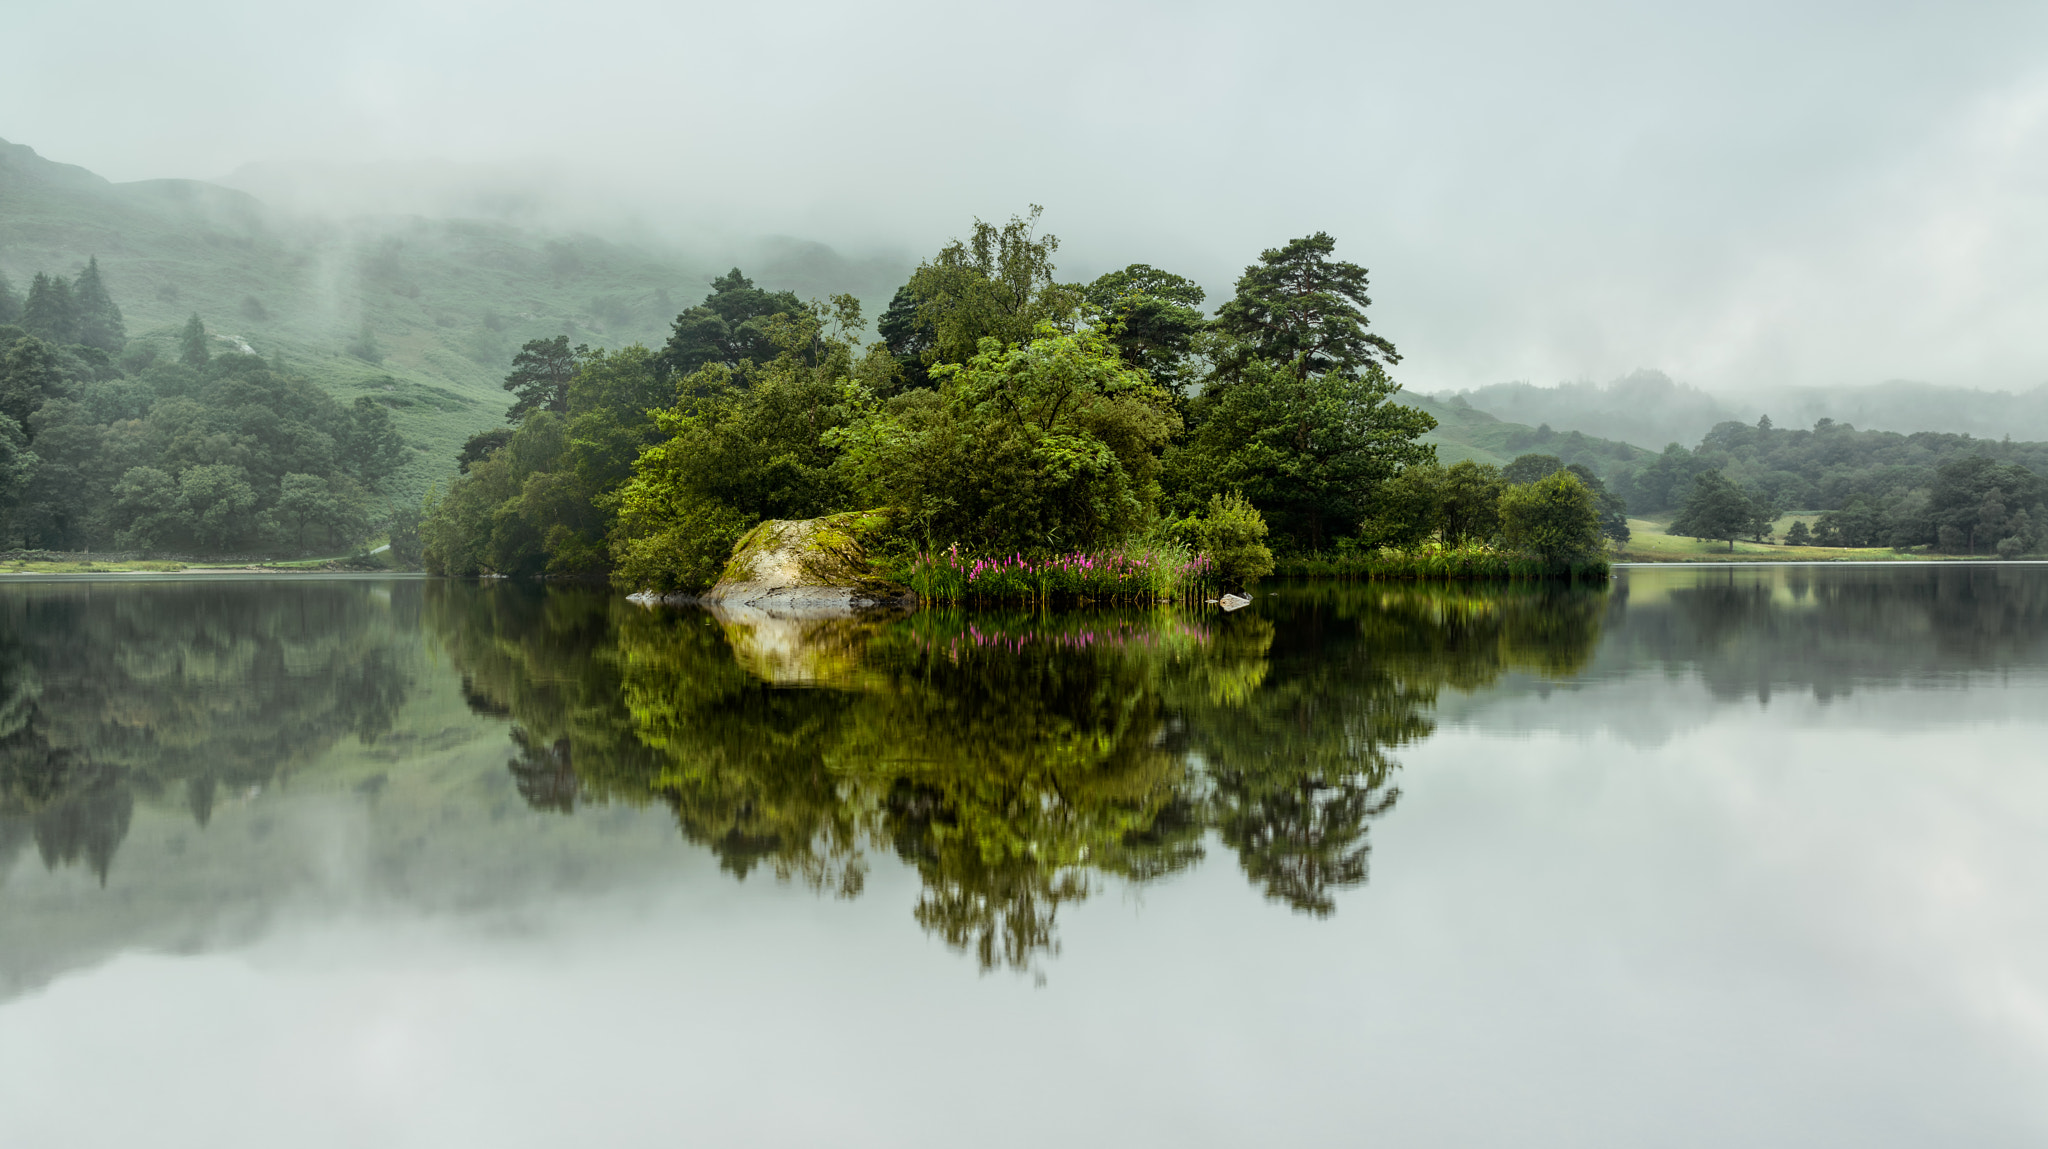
(1649, 544)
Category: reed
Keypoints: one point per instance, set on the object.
(1442, 563)
(1147, 574)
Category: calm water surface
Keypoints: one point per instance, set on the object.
(1714, 856)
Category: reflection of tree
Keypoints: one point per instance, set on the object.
(1012, 759)
(110, 691)
(1752, 631)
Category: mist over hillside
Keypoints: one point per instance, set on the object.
(1650, 409)
(422, 314)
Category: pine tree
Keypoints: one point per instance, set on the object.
(51, 312)
(192, 350)
(10, 303)
(1299, 307)
(99, 320)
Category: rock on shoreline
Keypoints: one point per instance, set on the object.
(801, 568)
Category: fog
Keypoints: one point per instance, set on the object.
(1747, 196)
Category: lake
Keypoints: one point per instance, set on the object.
(1705, 856)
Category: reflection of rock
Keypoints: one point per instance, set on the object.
(801, 648)
(809, 566)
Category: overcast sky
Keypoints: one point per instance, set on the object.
(1745, 195)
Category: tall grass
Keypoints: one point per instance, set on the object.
(1437, 562)
(1148, 574)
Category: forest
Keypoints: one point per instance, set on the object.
(999, 413)
(109, 445)
(1950, 493)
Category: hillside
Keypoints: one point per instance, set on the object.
(1466, 432)
(444, 303)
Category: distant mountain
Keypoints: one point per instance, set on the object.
(445, 302)
(1465, 432)
(1647, 408)
(1650, 410)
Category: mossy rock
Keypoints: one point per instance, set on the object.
(808, 562)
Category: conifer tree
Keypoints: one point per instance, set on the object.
(51, 311)
(192, 350)
(99, 320)
(10, 303)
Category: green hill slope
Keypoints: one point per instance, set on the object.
(1465, 432)
(444, 303)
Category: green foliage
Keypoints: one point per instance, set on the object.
(731, 327)
(1154, 574)
(179, 458)
(1035, 448)
(1717, 509)
(540, 499)
(1307, 450)
(997, 284)
(10, 303)
(540, 376)
(99, 319)
(1152, 317)
(1468, 503)
(51, 312)
(1529, 468)
(192, 349)
(1298, 307)
(1233, 534)
(1554, 519)
(1798, 535)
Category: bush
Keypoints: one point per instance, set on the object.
(1234, 537)
(1553, 519)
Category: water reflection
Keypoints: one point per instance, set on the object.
(179, 692)
(1016, 761)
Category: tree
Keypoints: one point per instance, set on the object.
(1553, 518)
(1046, 445)
(1307, 450)
(1406, 510)
(147, 509)
(1152, 317)
(1469, 502)
(10, 304)
(1797, 535)
(99, 320)
(1298, 306)
(1234, 537)
(1715, 509)
(30, 376)
(1529, 468)
(51, 311)
(729, 327)
(908, 336)
(540, 376)
(370, 446)
(1613, 511)
(192, 348)
(219, 504)
(481, 446)
(364, 345)
(307, 501)
(996, 284)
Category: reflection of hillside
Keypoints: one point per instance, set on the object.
(1015, 760)
(186, 690)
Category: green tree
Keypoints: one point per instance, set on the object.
(1298, 306)
(908, 337)
(1035, 446)
(192, 348)
(364, 345)
(996, 284)
(1613, 511)
(1307, 450)
(147, 511)
(1554, 518)
(51, 312)
(540, 377)
(10, 303)
(219, 503)
(99, 320)
(730, 327)
(1152, 317)
(31, 374)
(1469, 502)
(1715, 509)
(481, 446)
(307, 501)
(1797, 535)
(1233, 534)
(1529, 468)
(1407, 509)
